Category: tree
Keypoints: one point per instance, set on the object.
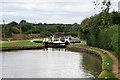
(106, 5)
(13, 23)
(115, 18)
(22, 21)
(39, 23)
(26, 26)
(15, 30)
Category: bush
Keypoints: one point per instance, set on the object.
(91, 40)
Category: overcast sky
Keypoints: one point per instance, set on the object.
(48, 11)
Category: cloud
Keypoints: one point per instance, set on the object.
(49, 11)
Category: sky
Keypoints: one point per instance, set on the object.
(49, 11)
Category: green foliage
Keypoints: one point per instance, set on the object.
(45, 30)
(115, 39)
(15, 30)
(52, 29)
(102, 39)
(13, 23)
(115, 18)
(91, 40)
(102, 34)
(26, 27)
(22, 21)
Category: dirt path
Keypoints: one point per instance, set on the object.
(115, 68)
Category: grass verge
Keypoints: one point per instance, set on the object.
(107, 70)
(19, 43)
(76, 40)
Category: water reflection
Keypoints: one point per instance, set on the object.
(49, 63)
(91, 64)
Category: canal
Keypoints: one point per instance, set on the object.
(49, 63)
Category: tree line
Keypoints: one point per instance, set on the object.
(102, 30)
(42, 29)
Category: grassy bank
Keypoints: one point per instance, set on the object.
(106, 70)
(76, 40)
(19, 43)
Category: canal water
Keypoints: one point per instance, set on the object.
(49, 63)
